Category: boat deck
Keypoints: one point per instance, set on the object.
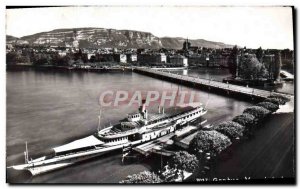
(77, 144)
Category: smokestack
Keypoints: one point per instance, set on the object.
(163, 110)
(146, 114)
(143, 107)
(159, 109)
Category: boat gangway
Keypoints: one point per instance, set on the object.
(231, 90)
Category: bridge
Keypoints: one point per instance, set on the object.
(211, 85)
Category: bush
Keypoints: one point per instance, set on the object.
(142, 177)
(269, 106)
(274, 101)
(258, 112)
(230, 129)
(209, 141)
(247, 120)
(282, 98)
(184, 161)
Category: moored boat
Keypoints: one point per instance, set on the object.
(136, 129)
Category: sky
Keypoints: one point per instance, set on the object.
(268, 27)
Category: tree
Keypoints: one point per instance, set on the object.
(231, 129)
(146, 177)
(182, 160)
(259, 54)
(11, 58)
(233, 61)
(258, 112)
(209, 141)
(251, 68)
(93, 59)
(41, 59)
(15, 57)
(277, 65)
(269, 106)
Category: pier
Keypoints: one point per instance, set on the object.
(181, 138)
(211, 85)
(156, 146)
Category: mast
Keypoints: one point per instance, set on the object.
(99, 120)
(25, 157)
(26, 153)
(206, 101)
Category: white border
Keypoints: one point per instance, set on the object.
(111, 2)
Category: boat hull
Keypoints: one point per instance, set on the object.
(55, 166)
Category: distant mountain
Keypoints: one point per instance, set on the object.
(176, 43)
(100, 37)
(10, 38)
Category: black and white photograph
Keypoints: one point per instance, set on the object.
(150, 94)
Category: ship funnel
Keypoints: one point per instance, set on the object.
(143, 106)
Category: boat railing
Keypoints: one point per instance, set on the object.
(119, 134)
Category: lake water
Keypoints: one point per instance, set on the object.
(51, 108)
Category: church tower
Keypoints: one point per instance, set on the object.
(75, 40)
(186, 44)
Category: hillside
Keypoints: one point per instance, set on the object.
(101, 38)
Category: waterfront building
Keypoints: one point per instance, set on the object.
(217, 60)
(62, 53)
(179, 60)
(197, 60)
(152, 58)
(89, 55)
(122, 58)
(132, 58)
